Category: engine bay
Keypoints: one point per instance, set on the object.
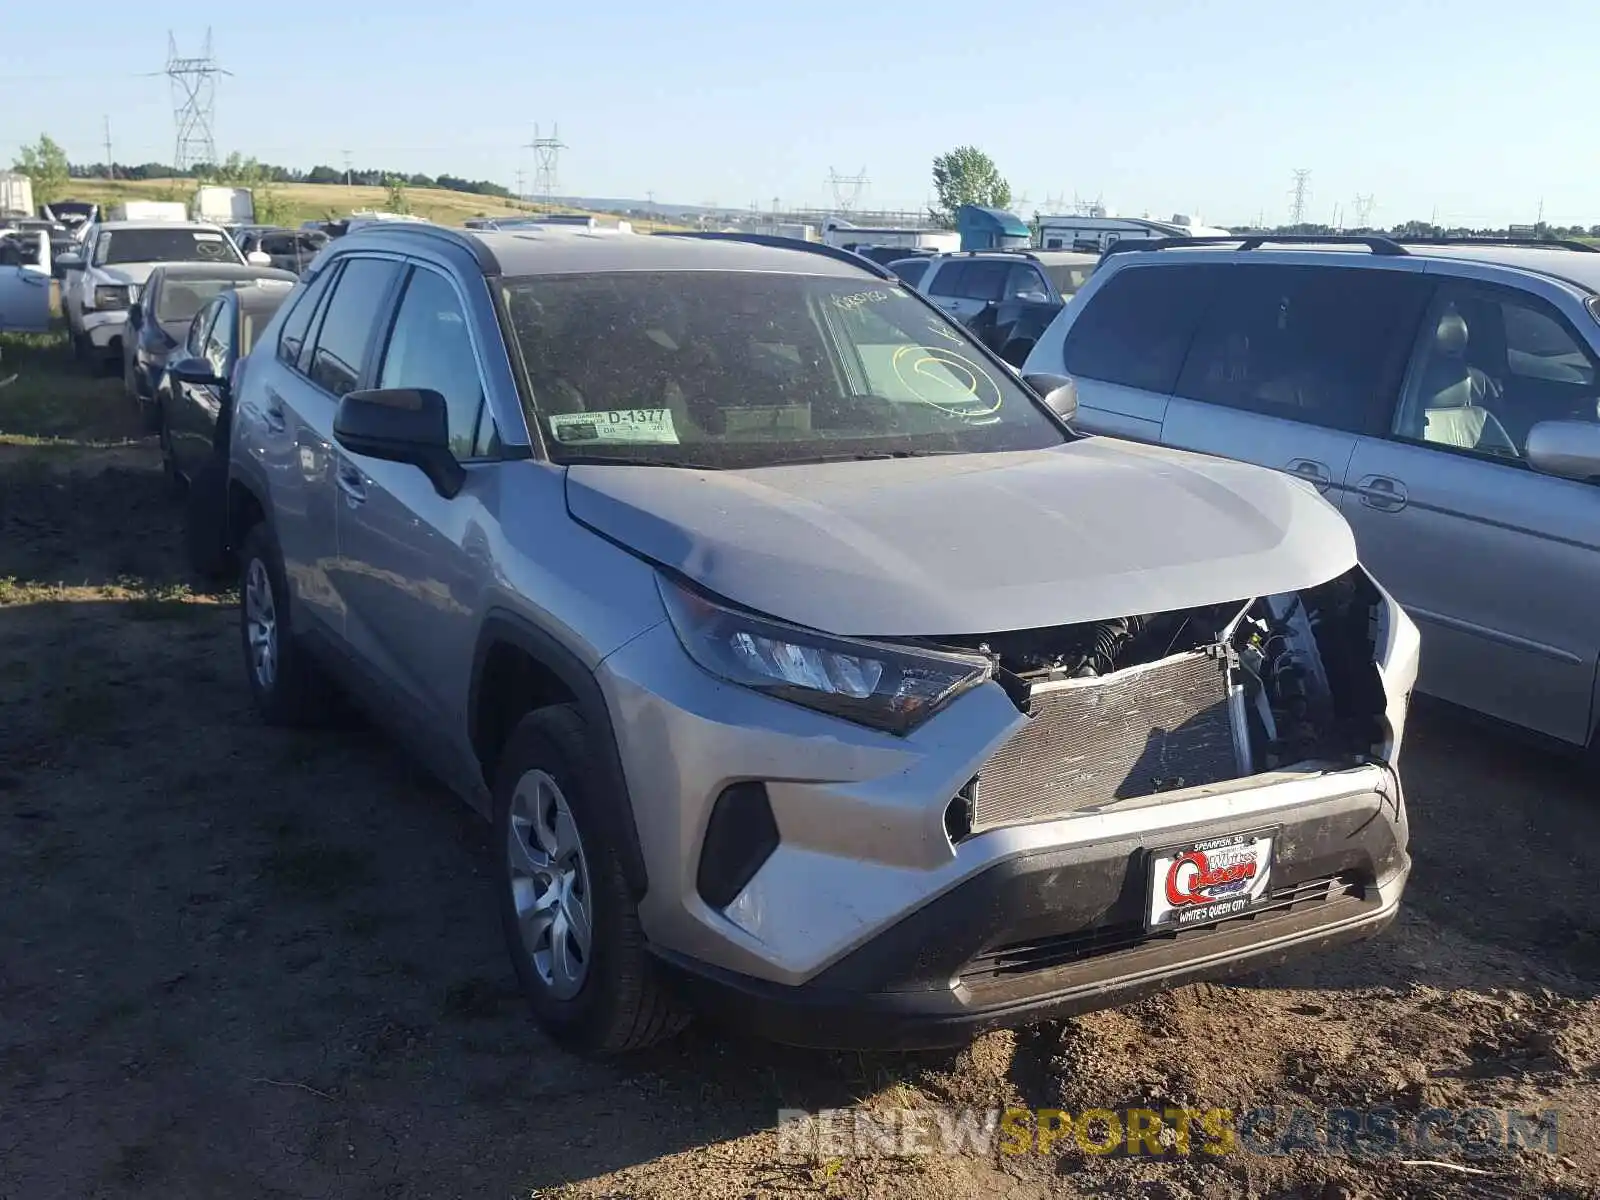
(1302, 665)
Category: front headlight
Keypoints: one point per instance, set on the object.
(887, 687)
(110, 296)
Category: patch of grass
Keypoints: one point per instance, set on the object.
(57, 406)
(317, 872)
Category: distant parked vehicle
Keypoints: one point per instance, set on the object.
(103, 279)
(24, 281)
(159, 320)
(288, 249)
(1006, 297)
(74, 214)
(1441, 393)
(194, 406)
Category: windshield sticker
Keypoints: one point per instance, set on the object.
(208, 237)
(948, 381)
(856, 299)
(944, 331)
(638, 426)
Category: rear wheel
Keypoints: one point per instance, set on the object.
(286, 684)
(569, 919)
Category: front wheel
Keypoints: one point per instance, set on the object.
(569, 919)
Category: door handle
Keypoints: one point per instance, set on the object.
(1382, 493)
(351, 484)
(1311, 469)
(276, 421)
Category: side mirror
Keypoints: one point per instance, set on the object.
(1570, 449)
(257, 259)
(403, 425)
(71, 261)
(1059, 393)
(196, 372)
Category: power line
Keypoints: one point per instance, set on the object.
(847, 189)
(546, 164)
(1299, 195)
(194, 103)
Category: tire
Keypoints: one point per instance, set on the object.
(81, 349)
(605, 998)
(130, 385)
(205, 521)
(293, 692)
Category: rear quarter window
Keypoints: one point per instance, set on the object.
(1135, 330)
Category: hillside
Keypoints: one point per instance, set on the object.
(308, 201)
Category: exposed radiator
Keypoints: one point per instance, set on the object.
(1151, 728)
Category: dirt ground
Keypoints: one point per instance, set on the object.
(242, 962)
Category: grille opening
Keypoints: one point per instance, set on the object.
(1042, 954)
(1141, 705)
(958, 813)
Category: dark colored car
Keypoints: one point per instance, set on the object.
(161, 318)
(194, 407)
(289, 249)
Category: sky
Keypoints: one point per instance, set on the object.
(1472, 113)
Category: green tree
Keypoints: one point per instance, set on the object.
(396, 200)
(45, 163)
(966, 175)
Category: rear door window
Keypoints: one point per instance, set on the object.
(912, 271)
(1323, 345)
(985, 279)
(347, 329)
(949, 280)
(1136, 329)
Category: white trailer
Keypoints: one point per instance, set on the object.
(843, 234)
(16, 194)
(148, 210)
(224, 205)
(1098, 233)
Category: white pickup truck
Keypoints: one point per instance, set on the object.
(108, 275)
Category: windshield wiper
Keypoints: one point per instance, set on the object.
(630, 460)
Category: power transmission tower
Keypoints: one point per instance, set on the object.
(194, 103)
(1363, 211)
(111, 167)
(546, 164)
(1299, 195)
(847, 189)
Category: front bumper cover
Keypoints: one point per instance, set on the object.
(1059, 931)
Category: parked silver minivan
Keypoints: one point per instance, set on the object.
(1442, 394)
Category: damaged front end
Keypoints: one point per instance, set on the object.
(1149, 704)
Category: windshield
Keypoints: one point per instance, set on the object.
(180, 299)
(745, 369)
(179, 244)
(1068, 279)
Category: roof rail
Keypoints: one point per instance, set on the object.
(1476, 240)
(460, 237)
(1254, 241)
(785, 243)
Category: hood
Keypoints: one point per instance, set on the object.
(968, 544)
(134, 273)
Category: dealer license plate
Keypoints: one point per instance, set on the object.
(1212, 880)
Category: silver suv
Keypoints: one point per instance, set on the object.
(1444, 394)
(812, 670)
